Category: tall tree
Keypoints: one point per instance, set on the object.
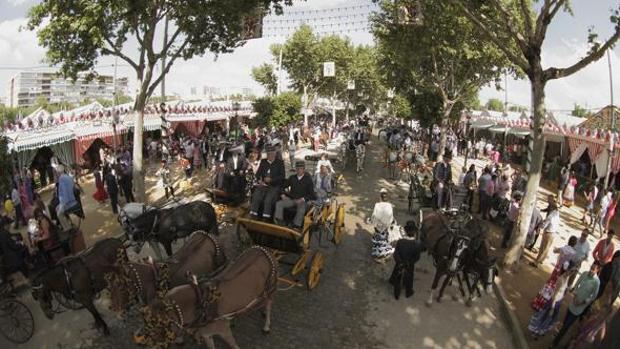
(303, 55)
(518, 28)
(495, 104)
(264, 75)
(78, 33)
(441, 53)
(579, 111)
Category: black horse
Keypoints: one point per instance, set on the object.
(169, 224)
(77, 279)
(457, 243)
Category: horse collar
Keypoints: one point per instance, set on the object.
(137, 283)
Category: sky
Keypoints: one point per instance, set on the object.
(564, 45)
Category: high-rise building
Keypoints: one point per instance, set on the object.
(26, 87)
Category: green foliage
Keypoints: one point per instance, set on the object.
(494, 104)
(401, 108)
(442, 56)
(76, 34)
(580, 111)
(303, 56)
(277, 111)
(265, 76)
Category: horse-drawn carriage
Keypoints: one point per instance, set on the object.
(320, 221)
(16, 320)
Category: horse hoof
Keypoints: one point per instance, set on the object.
(438, 300)
(468, 302)
(428, 304)
(266, 331)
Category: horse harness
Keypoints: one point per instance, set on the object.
(207, 303)
(161, 275)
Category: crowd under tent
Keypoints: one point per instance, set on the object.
(87, 132)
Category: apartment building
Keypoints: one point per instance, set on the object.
(26, 87)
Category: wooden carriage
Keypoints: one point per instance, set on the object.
(303, 244)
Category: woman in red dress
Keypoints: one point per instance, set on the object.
(100, 195)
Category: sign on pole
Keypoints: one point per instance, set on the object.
(329, 69)
(351, 85)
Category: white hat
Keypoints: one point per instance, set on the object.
(383, 191)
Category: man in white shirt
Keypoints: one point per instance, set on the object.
(600, 221)
(550, 228)
(582, 250)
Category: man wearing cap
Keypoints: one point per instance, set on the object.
(270, 176)
(443, 176)
(300, 192)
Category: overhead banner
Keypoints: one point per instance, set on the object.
(329, 69)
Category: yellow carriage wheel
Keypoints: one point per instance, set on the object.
(339, 224)
(316, 267)
(300, 265)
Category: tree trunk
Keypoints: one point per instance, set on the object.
(138, 130)
(517, 244)
(445, 119)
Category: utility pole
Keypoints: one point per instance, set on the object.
(612, 140)
(506, 92)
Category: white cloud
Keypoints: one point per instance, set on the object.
(588, 87)
(17, 2)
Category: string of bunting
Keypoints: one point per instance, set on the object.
(327, 32)
(316, 19)
(331, 10)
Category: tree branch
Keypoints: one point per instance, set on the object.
(113, 50)
(508, 23)
(169, 44)
(557, 73)
(527, 15)
(544, 18)
(520, 61)
(173, 58)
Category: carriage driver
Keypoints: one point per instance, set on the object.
(443, 177)
(301, 191)
(270, 177)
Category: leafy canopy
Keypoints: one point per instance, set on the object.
(265, 76)
(443, 53)
(78, 33)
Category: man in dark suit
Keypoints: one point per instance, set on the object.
(300, 193)
(236, 166)
(221, 158)
(443, 177)
(406, 255)
(270, 177)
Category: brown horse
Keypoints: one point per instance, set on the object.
(202, 254)
(457, 244)
(77, 278)
(247, 284)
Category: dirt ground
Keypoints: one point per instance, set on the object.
(352, 307)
